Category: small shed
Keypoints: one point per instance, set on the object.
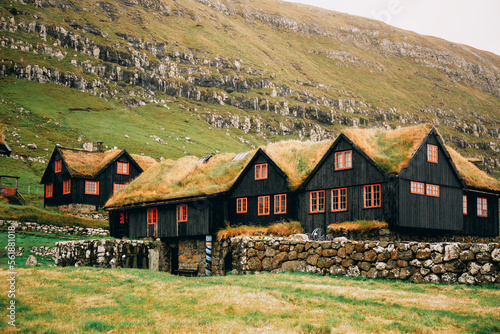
(10, 192)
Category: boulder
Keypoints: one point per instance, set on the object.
(31, 261)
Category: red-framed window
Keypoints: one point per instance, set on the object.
(339, 199)
(182, 213)
(117, 187)
(343, 160)
(58, 166)
(464, 206)
(66, 187)
(432, 190)
(482, 207)
(91, 187)
(417, 188)
(152, 217)
(263, 205)
(49, 190)
(241, 205)
(279, 204)
(432, 153)
(372, 196)
(261, 171)
(122, 168)
(317, 201)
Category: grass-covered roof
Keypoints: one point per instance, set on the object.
(393, 149)
(188, 177)
(88, 163)
(185, 177)
(296, 158)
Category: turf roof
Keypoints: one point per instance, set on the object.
(88, 163)
(185, 177)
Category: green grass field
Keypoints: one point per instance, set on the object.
(90, 300)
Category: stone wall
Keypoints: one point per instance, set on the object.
(105, 253)
(442, 262)
(68, 230)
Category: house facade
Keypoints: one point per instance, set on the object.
(346, 185)
(80, 180)
(260, 195)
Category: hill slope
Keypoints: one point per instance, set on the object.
(230, 75)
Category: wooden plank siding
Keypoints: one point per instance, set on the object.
(205, 216)
(483, 226)
(324, 177)
(106, 178)
(248, 187)
(424, 211)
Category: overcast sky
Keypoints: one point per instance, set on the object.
(475, 23)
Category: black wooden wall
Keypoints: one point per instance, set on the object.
(247, 186)
(324, 177)
(427, 212)
(106, 180)
(484, 226)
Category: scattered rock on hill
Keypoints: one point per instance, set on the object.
(31, 261)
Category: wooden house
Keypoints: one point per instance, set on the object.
(405, 177)
(80, 180)
(261, 194)
(183, 198)
(4, 147)
(346, 185)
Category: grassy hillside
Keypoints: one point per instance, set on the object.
(230, 75)
(91, 300)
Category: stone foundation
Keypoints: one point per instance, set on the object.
(78, 208)
(418, 262)
(104, 253)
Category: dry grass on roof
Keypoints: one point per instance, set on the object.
(144, 161)
(3, 128)
(391, 150)
(86, 163)
(185, 177)
(296, 158)
(472, 176)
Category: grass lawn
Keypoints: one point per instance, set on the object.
(91, 300)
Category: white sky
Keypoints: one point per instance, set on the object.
(475, 23)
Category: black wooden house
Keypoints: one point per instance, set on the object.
(261, 195)
(81, 180)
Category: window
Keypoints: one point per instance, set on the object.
(261, 171)
(482, 207)
(432, 190)
(317, 201)
(122, 168)
(117, 187)
(124, 216)
(343, 160)
(339, 199)
(182, 213)
(263, 205)
(58, 166)
(49, 190)
(279, 204)
(152, 216)
(66, 187)
(432, 153)
(465, 209)
(371, 196)
(241, 205)
(417, 188)
(91, 187)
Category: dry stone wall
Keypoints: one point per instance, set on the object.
(419, 262)
(104, 253)
(68, 230)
